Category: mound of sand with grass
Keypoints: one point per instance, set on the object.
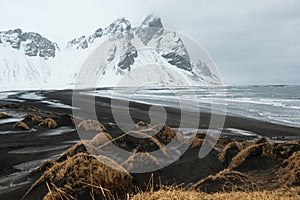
(100, 139)
(91, 125)
(245, 167)
(166, 134)
(137, 141)
(256, 153)
(255, 165)
(21, 125)
(55, 121)
(48, 122)
(81, 174)
(80, 147)
(197, 140)
(147, 138)
(231, 150)
(32, 118)
(196, 143)
(226, 180)
(289, 175)
(162, 132)
(4, 116)
(141, 160)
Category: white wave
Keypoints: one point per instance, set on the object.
(39, 149)
(32, 96)
(58, 104)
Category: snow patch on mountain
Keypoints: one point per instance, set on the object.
(18, 71)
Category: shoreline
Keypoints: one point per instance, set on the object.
(262, 128)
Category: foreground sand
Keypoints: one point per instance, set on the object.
(240, 166)
(251, 170)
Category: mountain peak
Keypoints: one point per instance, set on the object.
(33, 44)
(152, 21)
(83, 42)
(119, 25)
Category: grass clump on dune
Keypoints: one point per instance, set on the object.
(100, 139)
(80, 147)
(196, 143)
(177, 194)
(162, 132)
(275, 151)
(226, 180)
(141, 160)
(231, 150)
(21, 125)
(91, 125)
(140, 141)
(49, 122)
(32, 117)
(84, 173)
(4, 116)
(290, 174)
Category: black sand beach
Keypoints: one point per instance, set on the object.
(22, 151)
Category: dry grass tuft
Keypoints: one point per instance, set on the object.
(141, 124)
(166, 135)
(80, 147)
(142, 142)
(226, 180)
(21, 125)
(34, 118)
(177, 194)
(161, 132)
(138, 160)
(231, 150)
(245, 154)
(279, 151)
(200, 135)
(4, 116)
(49, 122)
(198, 138)
(53, 195)
(147, 138)
(46, 165)
(91, 125)
(101, 139)
(290, 174)
(85, 173)
(262, 140)
(196, 143)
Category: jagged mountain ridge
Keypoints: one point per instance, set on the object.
(33, 44)
(58, 66)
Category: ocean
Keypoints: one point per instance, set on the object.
(278, 104)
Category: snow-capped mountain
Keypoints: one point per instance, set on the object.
(29, 60)
(24, 59)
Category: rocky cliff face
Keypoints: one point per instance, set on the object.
(32, 44)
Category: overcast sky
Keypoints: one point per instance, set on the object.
(251, 41)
